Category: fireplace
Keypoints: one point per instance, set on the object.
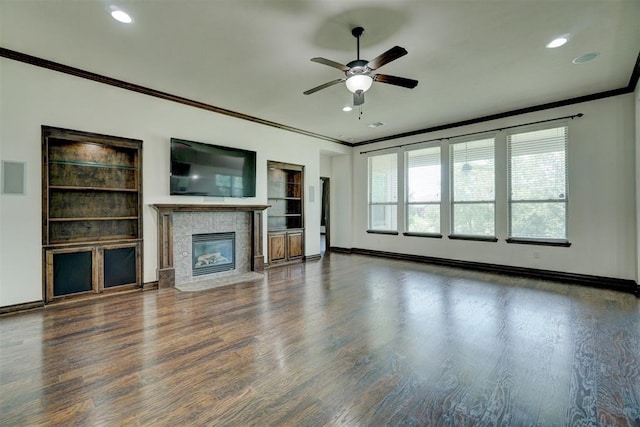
(213, 253)
(177, 224)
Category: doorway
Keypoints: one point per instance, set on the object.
(325, 234)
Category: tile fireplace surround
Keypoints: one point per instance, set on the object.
(168, 236)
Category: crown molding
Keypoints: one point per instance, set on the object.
(77, 72)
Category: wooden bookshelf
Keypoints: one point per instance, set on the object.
(91, 212)
(285, 216)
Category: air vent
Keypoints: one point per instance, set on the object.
(585, 58)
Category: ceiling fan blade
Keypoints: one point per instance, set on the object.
(323, 86)
(330, 63)
(358, 98)
(396, 81)
(390, 55)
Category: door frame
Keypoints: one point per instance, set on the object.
(325, 199)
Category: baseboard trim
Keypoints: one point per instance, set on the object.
(20, 308)
(340, 250)
(273, 265)
(150, 286)
(310, 258)
(623, 285)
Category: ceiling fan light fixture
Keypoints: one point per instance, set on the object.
(358, 78)
(359, 82)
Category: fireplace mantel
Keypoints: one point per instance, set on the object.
(166, 270)
(207, 208)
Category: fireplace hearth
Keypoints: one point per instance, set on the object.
(213, 253)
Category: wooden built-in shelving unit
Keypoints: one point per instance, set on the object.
(91, 212)
(285, 216)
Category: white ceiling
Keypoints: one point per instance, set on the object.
(472, 58)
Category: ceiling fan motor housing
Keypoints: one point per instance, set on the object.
(359, 66)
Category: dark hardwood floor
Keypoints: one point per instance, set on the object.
(349, 340)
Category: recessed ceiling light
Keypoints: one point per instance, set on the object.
(585, 58)
(120, 15)
(346, 109)
(557, 42)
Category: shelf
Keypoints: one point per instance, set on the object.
(126, 240)
(104, 218)
(81, 241)
(92, 164)
(70, 187)
(285, 215)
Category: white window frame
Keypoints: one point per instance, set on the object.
(389, 203)
(452, 183)
(422, 202)
(559, 241)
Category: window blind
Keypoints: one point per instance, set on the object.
(423, 190)
(383, 192)
(537, 167)
(473, 187)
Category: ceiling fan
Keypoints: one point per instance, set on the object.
(359, 73)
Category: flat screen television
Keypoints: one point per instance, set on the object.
(199, 169)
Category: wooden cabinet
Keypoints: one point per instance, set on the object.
(91, 212)
(277, 246)
(286, 246)
(285, 216)
(295, 244)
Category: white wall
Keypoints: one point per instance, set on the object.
(341, 202)
(602, 218)
(33, 96)
(325, 166)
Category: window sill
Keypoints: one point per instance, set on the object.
(431, 235)
(389, 232)
(561, 243)
(476, 238)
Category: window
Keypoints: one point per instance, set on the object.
(423, 190)
(383, 192)
(473, 188)
(538, 184)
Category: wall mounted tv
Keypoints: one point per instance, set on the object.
(199, 169)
